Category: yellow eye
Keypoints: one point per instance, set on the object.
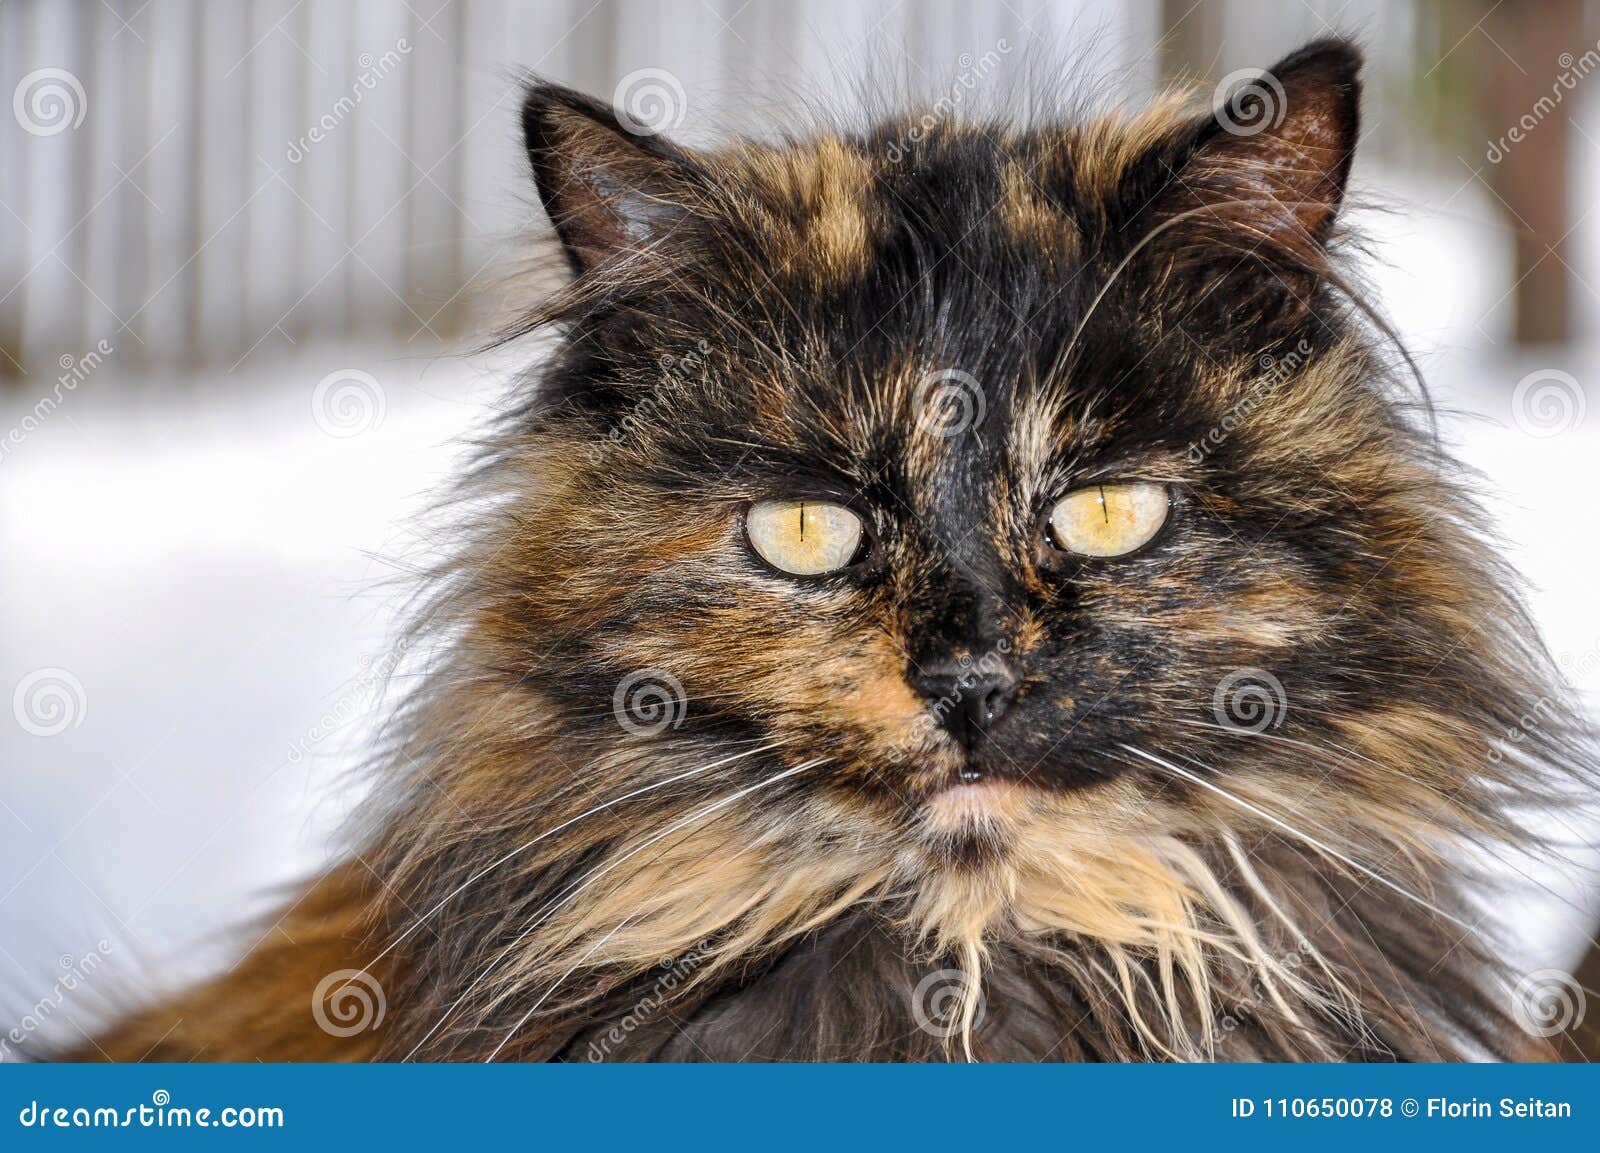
(804, 537)
(1108, 519)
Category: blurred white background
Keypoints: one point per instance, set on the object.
(231, 368)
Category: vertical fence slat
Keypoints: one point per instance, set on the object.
(277, 219)
(327, 34)
(55, 195)
(437, 216)
(166, 308)
(109, 132)
(15, 227)
(230, 184)
(384, 175)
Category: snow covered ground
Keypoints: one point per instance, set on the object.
(199, 557)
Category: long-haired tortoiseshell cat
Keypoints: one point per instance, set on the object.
(955, 590)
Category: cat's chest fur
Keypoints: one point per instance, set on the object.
(851, 993)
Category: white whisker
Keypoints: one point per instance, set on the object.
(1481, 845)
(534, 1008)
(526, 845)
(1326, 849)
(574, 891)
(1328, 750)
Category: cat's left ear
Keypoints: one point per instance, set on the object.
(1256, 185)
(1277, 147)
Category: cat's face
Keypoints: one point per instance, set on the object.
(973, 550)
(976, 463)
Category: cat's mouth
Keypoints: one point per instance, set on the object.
(976, 799)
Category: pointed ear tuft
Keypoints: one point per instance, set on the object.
(1281, 140)
(1237, 207)
(610, 192)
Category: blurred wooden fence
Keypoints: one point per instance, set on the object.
(204, 182)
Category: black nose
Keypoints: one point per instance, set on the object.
(967, 699)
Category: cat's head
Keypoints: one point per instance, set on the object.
(996, 467)
(1017, 527)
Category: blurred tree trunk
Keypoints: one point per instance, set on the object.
(1523, 48)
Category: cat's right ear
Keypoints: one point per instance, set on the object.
(610, 192)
